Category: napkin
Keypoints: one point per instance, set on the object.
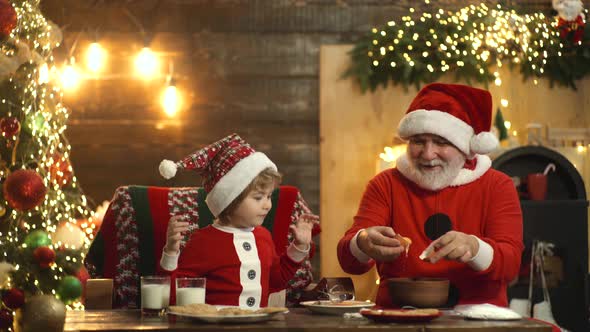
(486, 311)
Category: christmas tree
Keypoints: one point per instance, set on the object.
(500, 126)
(44, 216)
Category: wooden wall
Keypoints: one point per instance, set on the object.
(246, 66)
(250, 67)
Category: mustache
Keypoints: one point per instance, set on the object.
(433, 162)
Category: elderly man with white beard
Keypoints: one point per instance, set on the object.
(462, 217)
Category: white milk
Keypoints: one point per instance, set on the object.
(155, 296)
(189, 295)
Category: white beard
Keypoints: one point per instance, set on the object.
(434, 180)
(568, 9)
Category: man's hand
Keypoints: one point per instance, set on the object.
(176, 226)
(378, 242)
(455, 246)
(301, 230)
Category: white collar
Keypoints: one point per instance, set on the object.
(233, 230)
(465, 176)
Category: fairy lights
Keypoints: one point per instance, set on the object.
(33, 97)
(472, 42)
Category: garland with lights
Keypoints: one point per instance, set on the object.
(473, 43)
(45, 222)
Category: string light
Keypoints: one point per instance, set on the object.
(70, 77)
(475, 39)
(171, 99)
(146, 63)
(95, 57)
(41, 112)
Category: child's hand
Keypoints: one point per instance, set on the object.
(176, 226)
(301, 230)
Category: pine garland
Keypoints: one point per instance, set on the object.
(472, 43)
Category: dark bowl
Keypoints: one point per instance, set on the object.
(419, 292)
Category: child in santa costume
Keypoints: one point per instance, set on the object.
(236, 254)
(463, 218)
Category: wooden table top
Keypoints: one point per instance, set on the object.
(296, 320)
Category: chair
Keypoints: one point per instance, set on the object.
(133, 232)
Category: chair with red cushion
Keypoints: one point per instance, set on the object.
(133, 232)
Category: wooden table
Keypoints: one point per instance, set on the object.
(296, 320)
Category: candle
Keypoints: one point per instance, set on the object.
(189, 295)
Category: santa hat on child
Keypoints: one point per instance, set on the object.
(227, 167)
(459, 113)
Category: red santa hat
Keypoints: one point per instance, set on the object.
(227, 167)
(459, 113)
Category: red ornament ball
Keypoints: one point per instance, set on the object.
(83, 275)
(9, 126)
(60, 170)
(6, 319)
(13, 298)
(45, 256)
(24, 189)
(8, 18)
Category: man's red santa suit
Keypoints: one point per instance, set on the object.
(480, 201)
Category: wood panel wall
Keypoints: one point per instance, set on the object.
(250, 67)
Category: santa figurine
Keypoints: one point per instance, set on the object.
(571, 19)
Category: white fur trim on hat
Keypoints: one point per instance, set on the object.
(167, 169)
(438, 123)
(483, 143)
(236, 180)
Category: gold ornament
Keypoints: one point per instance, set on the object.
(2, 210)
(41, 313)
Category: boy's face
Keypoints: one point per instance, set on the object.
(253, 209)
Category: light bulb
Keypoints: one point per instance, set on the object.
(171, 100)
(146, 63)
(95, 57)
(70, 77)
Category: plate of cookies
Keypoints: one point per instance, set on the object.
(225, 314)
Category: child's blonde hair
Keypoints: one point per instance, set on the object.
(265, 179)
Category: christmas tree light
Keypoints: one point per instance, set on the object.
(39, 193)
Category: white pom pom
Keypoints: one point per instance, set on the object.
(483, 143)
(167, 169)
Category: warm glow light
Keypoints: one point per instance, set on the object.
(171, 100)
(504, 102)
(70, 77)
(507, 124)
(43, 74)
(391, 154)
(95, 57)
(146, 63)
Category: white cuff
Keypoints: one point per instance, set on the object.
(296, 254)
(356, 251)
(483, 259)
(169, 262)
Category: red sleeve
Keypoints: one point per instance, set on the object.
(373, 210)
(503, 230)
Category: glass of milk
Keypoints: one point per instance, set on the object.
(190, 290)
(155, 294)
